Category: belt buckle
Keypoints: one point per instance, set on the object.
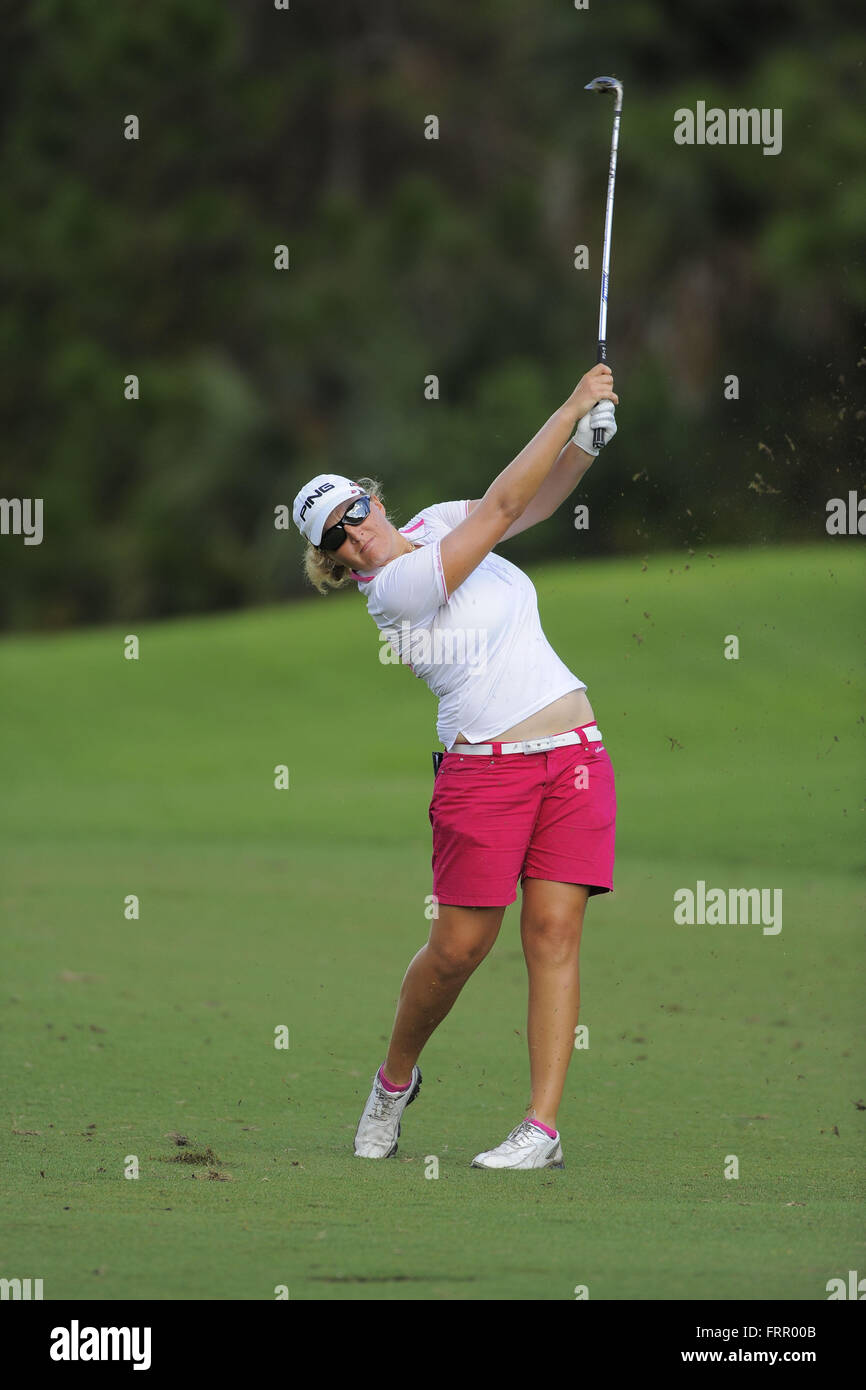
(539, 745)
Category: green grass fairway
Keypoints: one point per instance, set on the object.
(302, 907)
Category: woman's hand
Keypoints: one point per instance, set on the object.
(601, 417)
(595, 386)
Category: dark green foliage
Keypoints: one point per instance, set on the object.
(410, 257)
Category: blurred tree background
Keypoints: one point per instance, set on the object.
(408, 257)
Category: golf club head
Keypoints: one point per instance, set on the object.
(606, 84)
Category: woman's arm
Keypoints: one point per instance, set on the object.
(509, 495)
(559, 484)
(516, 485)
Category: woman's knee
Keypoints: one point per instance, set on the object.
(551, 919)
(552, 937)
(462, 937)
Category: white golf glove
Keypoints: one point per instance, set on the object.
(602, 416)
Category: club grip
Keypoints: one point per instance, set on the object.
(598, 435)
(601, 356)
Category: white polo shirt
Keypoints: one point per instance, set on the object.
(481, 650)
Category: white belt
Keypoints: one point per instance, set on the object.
(592, 734)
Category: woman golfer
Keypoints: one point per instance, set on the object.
(525, 788)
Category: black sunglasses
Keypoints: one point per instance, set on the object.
(334, 537)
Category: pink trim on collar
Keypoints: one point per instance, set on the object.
(404, 530)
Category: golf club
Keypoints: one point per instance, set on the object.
(606, 84)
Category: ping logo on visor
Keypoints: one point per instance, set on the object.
(308, 501)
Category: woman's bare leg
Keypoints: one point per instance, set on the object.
(551, 922)
(459, 940)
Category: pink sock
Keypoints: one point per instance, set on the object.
(554, 1133)
(389, 1085)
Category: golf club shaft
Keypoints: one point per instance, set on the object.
(598, 434)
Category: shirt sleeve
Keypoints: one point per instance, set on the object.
(412, 587)
(444, 516)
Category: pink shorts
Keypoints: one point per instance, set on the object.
(511, 816)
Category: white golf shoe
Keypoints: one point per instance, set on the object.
(379, 1127)
(527, 1146)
